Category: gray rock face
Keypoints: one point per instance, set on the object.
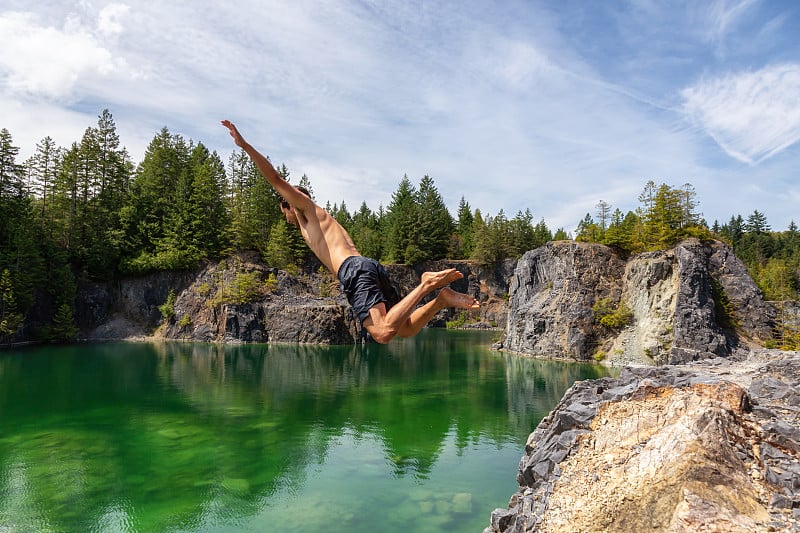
(209, 304)
(675, 297)
(551, 296)
(710, 446)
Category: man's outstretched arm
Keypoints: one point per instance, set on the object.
(284, 188)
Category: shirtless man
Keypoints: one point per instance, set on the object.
(362, 279)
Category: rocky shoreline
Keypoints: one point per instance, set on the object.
(706, 446)
(243, 300)
(698, 433)
(701, 430)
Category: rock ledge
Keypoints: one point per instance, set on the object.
(708, 446)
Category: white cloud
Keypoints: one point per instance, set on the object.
(40, 60)
(511, 104)
(751, 115)
(109, 20)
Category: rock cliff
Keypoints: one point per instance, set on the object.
(703, 443)
(696, 447)
(695, 301)
(241, 299)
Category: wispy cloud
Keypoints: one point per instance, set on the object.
(722, 16)
(751, 115)
(514, 105)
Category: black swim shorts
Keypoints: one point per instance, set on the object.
(366, 284)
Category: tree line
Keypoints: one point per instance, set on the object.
(89, 212)
(668, 214)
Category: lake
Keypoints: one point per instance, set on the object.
(420, 435)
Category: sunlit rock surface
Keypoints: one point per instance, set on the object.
(674, 297)
(699, 447)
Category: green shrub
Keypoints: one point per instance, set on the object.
(610, 314)
(185, 320)
(64, 325)
(271, 283)
(204, 290)
(245, 288)
(168, 308)
(459, 321)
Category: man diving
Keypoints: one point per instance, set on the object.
(363, 280)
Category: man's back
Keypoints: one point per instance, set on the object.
(329, 241)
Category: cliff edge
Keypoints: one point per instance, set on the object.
(694, 301)
(701, 431)
(697, 447)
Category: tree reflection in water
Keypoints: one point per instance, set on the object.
(184, 436)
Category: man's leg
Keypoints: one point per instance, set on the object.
(405, 319)
(447, 297)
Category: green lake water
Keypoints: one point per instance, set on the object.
(420, 435)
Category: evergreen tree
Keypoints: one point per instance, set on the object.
(492, 239)
(208, 216)
(587, 230)
(757, 223)
(19, 234)
(521, 234)
(560, 235)
(403, 225)
(64, 205)
(342, 216)
(253, 204)
(776, 279)
(11, 184)
(159, 187)
(64, 329)
(366, 232)
(463, 245)
(42, 172)
(541, 235)
(109, 172)
(435, 222)
(10, 318)
(689, 216)
(278, 251)
(305, 183)
(616, 234)
(603, 215)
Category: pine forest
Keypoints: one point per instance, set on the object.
(87, 212)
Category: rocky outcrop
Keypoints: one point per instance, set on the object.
(695, 301)
(125, 309)
(699, 447)
(704, 443)
(551, 296)
(241, 299)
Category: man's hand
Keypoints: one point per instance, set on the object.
(237, 137)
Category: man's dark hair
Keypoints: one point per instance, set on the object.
(300, 188)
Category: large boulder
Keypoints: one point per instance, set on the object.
(700, 447)
(551, 296)
(694, 301)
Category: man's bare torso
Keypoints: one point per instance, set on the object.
(326, 237)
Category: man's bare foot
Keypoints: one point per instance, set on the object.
(434, 280)
(450, 298)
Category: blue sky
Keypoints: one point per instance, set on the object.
(548, 106)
